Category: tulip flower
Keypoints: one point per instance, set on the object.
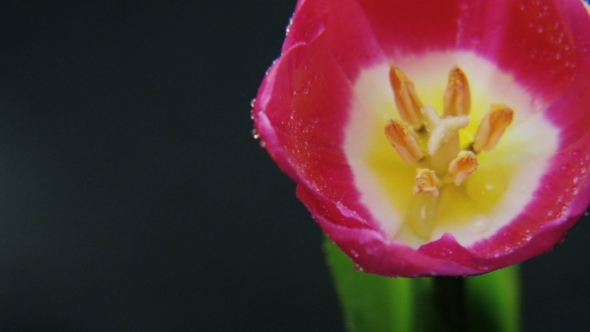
(434, 137)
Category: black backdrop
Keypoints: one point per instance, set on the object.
(132, 196)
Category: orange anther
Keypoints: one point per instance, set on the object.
(462, 166)
(492, 126)
(426, 182)
(407, 101)
(457, 97)
(402, 138)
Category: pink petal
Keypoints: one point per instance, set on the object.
(347, 39)
(369, 249)
(413, 27)
(304, 104)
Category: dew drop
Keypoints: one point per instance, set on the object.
(288, 29)
(564, 210)
(486, 186)
(479, 224)
(252, 102)
(255, 134)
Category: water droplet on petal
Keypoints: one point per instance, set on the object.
(479, 224)
(255, 134)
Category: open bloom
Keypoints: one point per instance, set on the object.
(434, 137)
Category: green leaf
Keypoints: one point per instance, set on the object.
(374, 303)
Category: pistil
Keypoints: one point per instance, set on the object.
(443, 144)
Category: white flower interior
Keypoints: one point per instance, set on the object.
(490, 197)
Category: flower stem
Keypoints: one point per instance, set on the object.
(449, 295)
(486, 303)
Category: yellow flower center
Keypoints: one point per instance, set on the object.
(436, 179)
(431, 142)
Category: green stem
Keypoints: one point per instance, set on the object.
(373, 303)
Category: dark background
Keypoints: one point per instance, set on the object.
(133, 197)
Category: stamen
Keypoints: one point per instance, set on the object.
(492, 126)
(462, 166)
(457, 97)
(402, 138)
(406, 99)
(426, 182)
